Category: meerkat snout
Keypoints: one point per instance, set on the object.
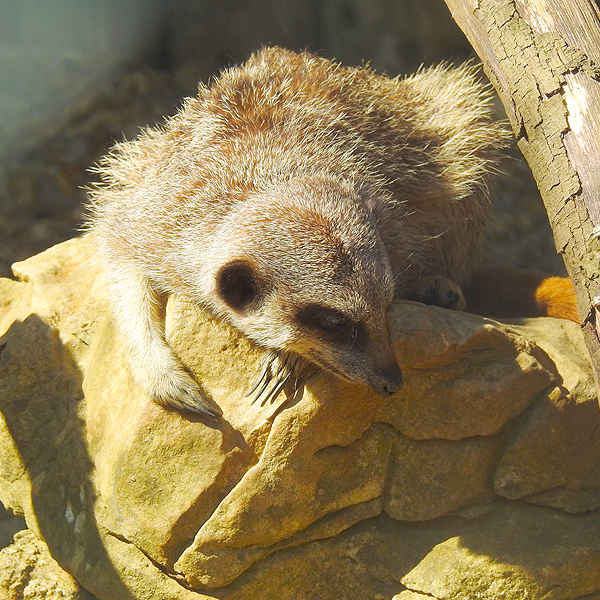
(387, 380)
(358, 350)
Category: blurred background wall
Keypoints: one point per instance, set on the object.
(395, 36)
(55, 54)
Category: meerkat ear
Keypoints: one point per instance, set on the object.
(237, 285)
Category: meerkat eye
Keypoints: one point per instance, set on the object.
(333, 321)
(237, 285)
(325, 319)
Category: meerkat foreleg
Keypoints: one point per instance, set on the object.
(154, 365)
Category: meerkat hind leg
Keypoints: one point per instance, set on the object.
(154, 365)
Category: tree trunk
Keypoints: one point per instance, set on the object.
(542, 57)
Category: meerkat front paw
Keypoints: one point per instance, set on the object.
(439, 291)
(178, 391)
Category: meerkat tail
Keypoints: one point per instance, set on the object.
(154, 366)
(502, 293)
(555, 297)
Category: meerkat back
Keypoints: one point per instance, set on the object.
(295, 198)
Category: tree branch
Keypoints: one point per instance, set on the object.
(542, 57)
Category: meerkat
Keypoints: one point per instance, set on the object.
(296, 198)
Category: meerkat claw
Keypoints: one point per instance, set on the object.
(189, 399)
(439, 291)
(196, 407)
(202, 409)
(262, 381)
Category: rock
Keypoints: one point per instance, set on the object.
(478, 479)
(28, 572)
(517, 552)
(563, 424)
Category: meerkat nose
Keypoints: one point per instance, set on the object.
(388, 381)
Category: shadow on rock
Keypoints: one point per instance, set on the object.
(41, 402)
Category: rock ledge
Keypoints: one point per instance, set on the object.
(481, 478)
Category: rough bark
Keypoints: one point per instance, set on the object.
(542, 57)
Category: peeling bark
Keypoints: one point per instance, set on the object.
(543, 58)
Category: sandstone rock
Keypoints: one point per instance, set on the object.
(478, 479)
(28, 572)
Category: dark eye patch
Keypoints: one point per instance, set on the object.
(331, 323)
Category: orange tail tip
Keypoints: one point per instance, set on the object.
(509, 293)
(555, 297)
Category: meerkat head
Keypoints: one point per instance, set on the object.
(301, 269)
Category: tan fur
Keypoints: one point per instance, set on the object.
(334, 187)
